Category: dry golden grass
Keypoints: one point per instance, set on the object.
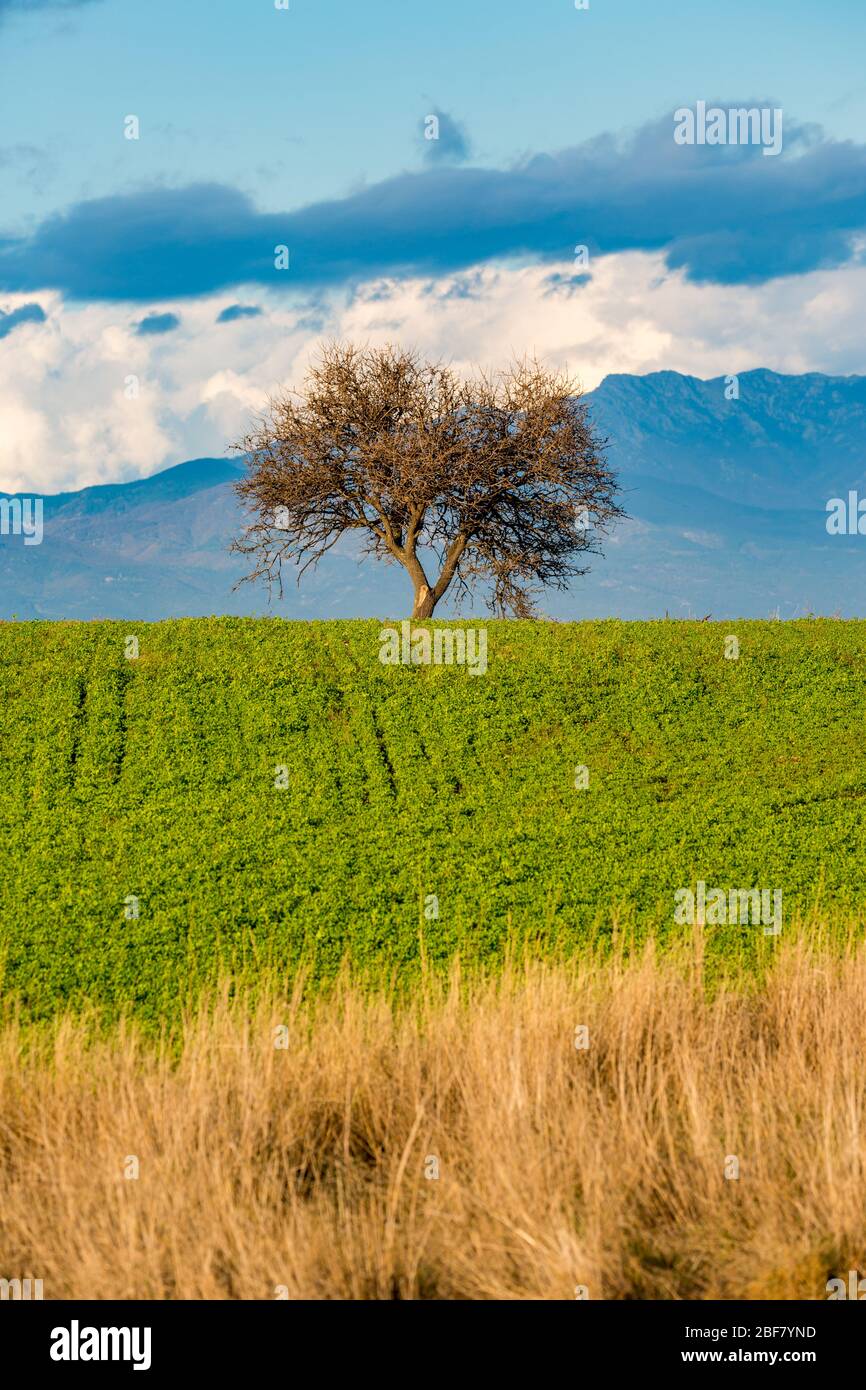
(304, 1167)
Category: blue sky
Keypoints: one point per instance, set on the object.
(297, 106)
(260, 126)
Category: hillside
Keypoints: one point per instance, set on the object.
(154, 779)
(726, 501)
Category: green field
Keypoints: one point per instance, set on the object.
(155, 778)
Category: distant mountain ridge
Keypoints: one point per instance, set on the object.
(170, 485)
(726, 500)
(802, 435)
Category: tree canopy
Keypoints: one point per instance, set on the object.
(494, 480)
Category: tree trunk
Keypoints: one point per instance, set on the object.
(424, 602)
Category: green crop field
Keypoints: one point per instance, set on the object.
(148, 847)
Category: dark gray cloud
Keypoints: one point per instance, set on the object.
(239, 311)
(28, 313)
(156, 324)
(443, 139)
(724, 214)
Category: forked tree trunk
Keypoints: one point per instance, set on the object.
(424, 602)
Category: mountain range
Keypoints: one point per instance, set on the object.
(726, 501)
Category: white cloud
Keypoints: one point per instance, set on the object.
(68, 423)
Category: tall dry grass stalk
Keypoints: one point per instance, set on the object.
(311, 1166)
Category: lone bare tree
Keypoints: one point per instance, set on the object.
(499, 480)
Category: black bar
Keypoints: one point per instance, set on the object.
(269, 1338)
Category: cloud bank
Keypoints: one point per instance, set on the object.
(70, 419)
(721, 214)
